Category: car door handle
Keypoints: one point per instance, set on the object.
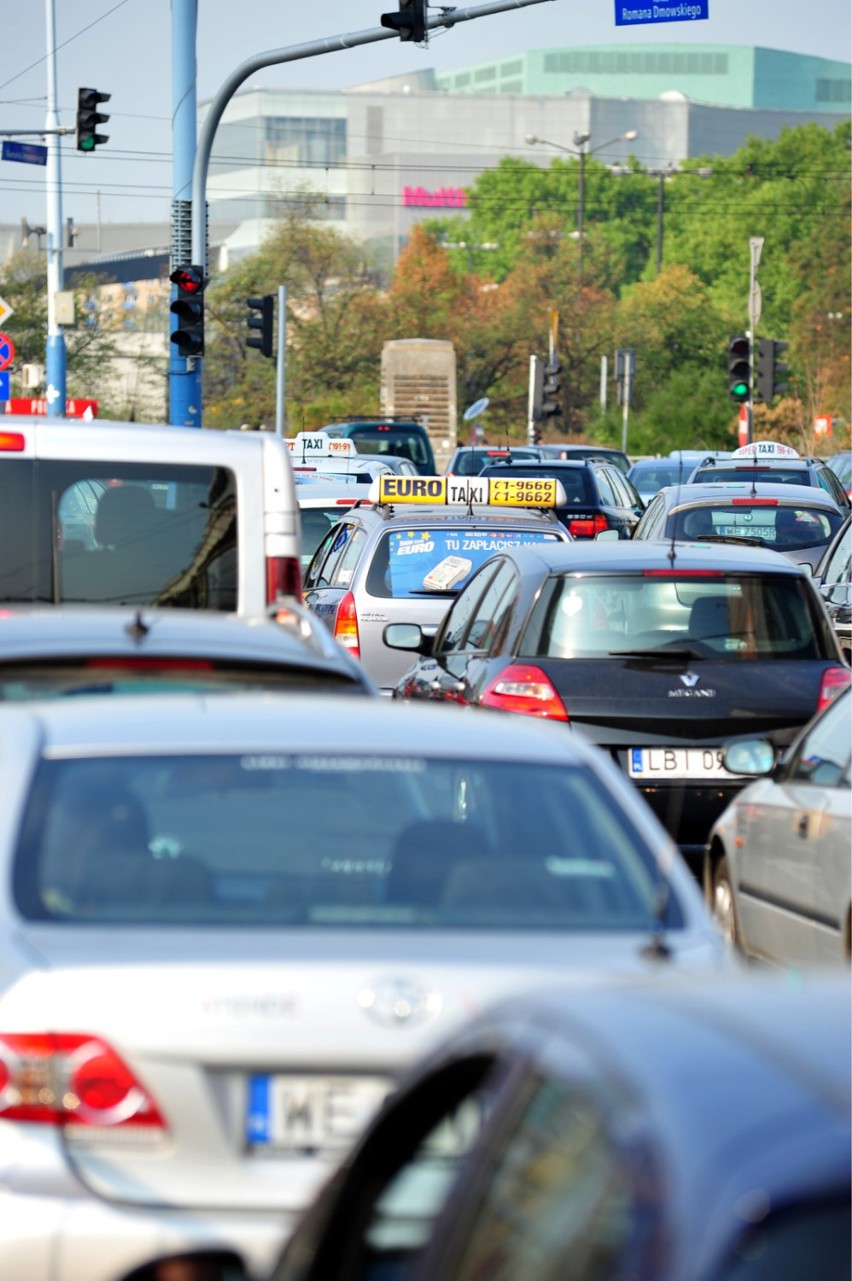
(802, 825)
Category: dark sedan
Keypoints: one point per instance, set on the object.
(598, 496)
(656, 1131)
(657, 655)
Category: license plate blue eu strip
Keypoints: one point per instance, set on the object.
(257, 1115)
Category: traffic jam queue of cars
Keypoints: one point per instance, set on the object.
(251, 931)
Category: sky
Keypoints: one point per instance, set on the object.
(124, 47)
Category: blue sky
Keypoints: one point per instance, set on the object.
(124, 47)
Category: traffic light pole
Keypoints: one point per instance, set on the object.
(184, 374)
(55, 361)
(312, 49)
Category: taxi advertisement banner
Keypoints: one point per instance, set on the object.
(461, 491)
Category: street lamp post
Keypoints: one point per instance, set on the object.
(581, 149)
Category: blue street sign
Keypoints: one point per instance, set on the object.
(634, 13)
(28, 153)
(4, 385)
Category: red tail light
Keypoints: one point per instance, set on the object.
(588, 526)
(754, 502)
(283, 578)
(346, 626)
(13, 441)
(834, 681)
(524, 688)
(70, 1079)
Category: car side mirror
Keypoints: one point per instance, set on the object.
(607, 536)
(752, 757)
(407, 636)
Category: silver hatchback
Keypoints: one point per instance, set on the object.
(383, 563)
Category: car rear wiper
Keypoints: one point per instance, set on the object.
(744, 540)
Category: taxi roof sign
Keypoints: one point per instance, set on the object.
(316, 444)
(469, 491)
(766, 449)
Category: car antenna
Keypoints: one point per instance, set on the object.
(753, 477)
(657, 949)
(672, 552)
(138, 629)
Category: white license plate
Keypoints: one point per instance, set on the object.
(295, 1113)
(656, 764)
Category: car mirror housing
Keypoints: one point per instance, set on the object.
(407, 636)
(607, 536)
(754, 757)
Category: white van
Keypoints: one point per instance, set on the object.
(127, 514)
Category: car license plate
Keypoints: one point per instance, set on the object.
(295, 1113)
(652, 764)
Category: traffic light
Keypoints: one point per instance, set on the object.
(739, 373)
(409, 21)
(189, 309)
(263, 320)
(550, 406)
(771, 371)
(88, 119)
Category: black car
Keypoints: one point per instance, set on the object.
(834, 578)
(396, 436)
(659, 1131)
(599, 496)
(658, 655)
(606, 453)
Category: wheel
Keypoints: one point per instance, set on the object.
(723, 903)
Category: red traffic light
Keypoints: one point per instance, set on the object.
(189, 280)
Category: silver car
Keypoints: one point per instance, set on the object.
(227, 924)
(396, 564)
(777, 871)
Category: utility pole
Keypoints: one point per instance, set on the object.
(282, 355)
(755, 306)
(55, 361)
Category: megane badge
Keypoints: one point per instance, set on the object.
(689, 679)
(398, 1002)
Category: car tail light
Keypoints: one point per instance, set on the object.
(283, 578)
(754, 502)
(149, 664)
(682, 573)
(834, 681)
(524, 688)
(12, 441)
(346, 625)
(588, 526)
(70, 1079)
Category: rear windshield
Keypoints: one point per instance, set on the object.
(655, 474)
(470, 462)
(435, 561)
(396, 441)
(782, 528)
(323, 841)
(20, 682)
(772, 475)
(735, 617)
(117, 533)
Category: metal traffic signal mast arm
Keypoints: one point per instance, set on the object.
(449, 17)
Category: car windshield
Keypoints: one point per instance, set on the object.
(737, 617)
(654, 474)
(781, 527)
(436, 560)
(323, 841)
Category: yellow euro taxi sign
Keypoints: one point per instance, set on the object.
(467, 491)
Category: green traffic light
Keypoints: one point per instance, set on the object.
(87, 144)
(739, 389)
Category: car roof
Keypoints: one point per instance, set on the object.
(548, 464)
(631, 557)
(248, 722)
(701, 495)
(388, 515)
(40, 632)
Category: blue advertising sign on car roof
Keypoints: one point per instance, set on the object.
(631, 13)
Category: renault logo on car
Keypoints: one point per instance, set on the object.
(690, 678)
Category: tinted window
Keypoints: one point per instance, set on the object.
(737, 617)
(656, 473)
(118, 533)
(806, 1241)
(490, 611)
(575, 480)
(393, 440)
(410, 563)
(557, 1202)
(461, 612)
(775, 475)
(782, 528)
(315, 523)
(326, 841)
(606, 490)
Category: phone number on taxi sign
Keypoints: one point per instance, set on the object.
(518, 491)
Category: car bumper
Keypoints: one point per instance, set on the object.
(45, 1238)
